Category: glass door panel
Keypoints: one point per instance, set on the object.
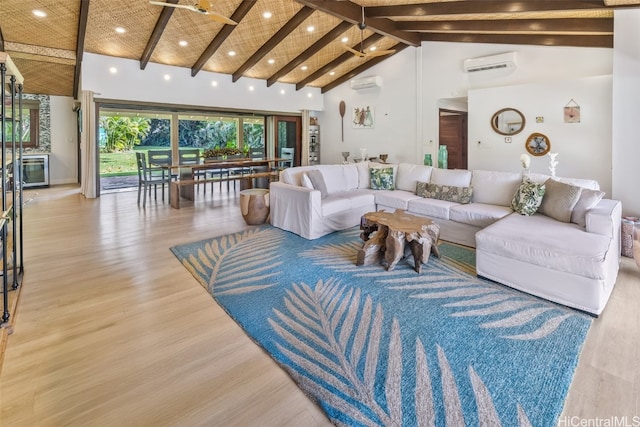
(288, 136)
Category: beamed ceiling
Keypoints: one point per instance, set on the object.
(49, 51)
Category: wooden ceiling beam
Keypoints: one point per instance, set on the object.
(238, 15)
(82, 32)
(351, 12)
(605, 41)
(283, 32)
(565, 25)
(336, 62)
(361, 68)
(314, 48)
(161, 24)
(471, 7)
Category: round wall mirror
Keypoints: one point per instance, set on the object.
(538, 144)
(508, 121)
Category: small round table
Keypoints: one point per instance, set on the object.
(254, 205)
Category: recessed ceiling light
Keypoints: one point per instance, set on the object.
(120, 30)
(304, 68)
(214, 83)
(309, 95)
(39, 13)
(267, 15)
(281, 91)
(372, 48)
(232, 53)
(271, 61)
(113, 70)
(345, 39)
(167, 77)
(251, 88)
(310, 28)
(332, 73)
(183, 43)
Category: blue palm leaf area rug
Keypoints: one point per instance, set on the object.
(394, 348)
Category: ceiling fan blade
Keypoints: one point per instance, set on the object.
(380, 53)
(220, 18)
(178, 6)
(355, 52)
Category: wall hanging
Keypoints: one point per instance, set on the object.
(363, 117)
(572, 112)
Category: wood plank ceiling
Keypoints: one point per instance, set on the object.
(281, 48)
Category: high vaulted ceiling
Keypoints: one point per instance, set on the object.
(49, 50)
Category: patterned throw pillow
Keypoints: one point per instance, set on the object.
(381, 178)
(444, 192)
(528, 197)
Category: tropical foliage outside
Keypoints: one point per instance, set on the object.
(122, 136)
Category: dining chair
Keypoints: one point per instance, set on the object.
(191, 156)
(146, 180)
(287, 153)
(159, 161)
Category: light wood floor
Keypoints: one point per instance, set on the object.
(112, 331)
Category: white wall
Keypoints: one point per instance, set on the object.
(149, 85)
(584, 149)
(626, 111)
(395, 108)
(63, 159)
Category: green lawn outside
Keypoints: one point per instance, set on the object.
(122, 163)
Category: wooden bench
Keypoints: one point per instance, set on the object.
(185, 187)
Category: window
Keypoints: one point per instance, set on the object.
(30, 124)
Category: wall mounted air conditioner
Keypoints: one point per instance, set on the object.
(366, 82)
(493, 62)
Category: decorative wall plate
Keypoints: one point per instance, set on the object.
(538, 144)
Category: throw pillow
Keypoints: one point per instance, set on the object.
(559, 200)
(421, 188)
(318, 182)
(449, 193)
(381, 178)
(528, 197)
(588, 200)
(306, 182)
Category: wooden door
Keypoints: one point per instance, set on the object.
(453, 134)
(289, 135)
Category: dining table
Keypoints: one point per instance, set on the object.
(246, 172)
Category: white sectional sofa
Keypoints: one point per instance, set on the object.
(572, 263)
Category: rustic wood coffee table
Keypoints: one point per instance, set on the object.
(395, 232)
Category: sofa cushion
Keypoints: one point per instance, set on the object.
(446, 192)
(528, 197)
(339, 178)
(543, 241)
(347, 200)
(478, 214)
(306, 182)
(408, 175)
(453, 177)
(559, 200)
(394, 199)
(317, 181)
(293, 176)
(382, 179)
(495, 188)
(540, 178)
(364, 178)
(433, 208)
(335, 203)
(587, 201)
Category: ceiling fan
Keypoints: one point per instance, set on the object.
(362, 53)
(203, 7)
